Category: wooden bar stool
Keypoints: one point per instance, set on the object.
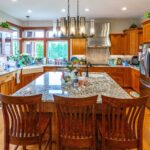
(24, 123)
(122, 123)
(76, 122)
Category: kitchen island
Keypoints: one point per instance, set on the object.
(50, 83)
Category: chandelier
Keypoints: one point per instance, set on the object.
(74, 27)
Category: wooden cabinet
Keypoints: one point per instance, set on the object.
(117, 74)
(133, 38)
(27, 78)
(146, 31)
(7, 83)
(47, 69)
(117, 44)
(131, 47)
(78, 46)
(135, 84)
(127, 77)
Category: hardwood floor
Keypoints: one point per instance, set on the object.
(146, 133)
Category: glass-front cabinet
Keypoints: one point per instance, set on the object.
(5, 42)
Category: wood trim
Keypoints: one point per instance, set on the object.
(117, 34)
(37, 28)
(146, 21)
(14, 25)
(5, 30)
(33, 39)
(130, 29)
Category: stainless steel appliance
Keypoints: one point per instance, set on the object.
(134, 60)
(145, 71)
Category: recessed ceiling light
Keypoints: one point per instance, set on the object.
(86, 9)
(63, 10)
(124, 8)
(14, 0)
(29, 11)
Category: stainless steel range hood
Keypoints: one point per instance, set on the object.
(101, 40)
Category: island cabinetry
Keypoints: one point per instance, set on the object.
(146, 31)
(49, 68)
(7, 83)
(78, 46)
(135, 75)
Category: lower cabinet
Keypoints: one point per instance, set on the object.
(27, 78)
(47, 69)
(135, 84)
(7, 83)
(6, 88)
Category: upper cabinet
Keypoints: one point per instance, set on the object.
(5, 42)
(133, 38)
(117, 44)
(78, 46)
(146, 31)
(126, 43)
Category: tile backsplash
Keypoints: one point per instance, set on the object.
(98, 55)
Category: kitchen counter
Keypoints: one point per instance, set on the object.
(50, 83)
(60, 66)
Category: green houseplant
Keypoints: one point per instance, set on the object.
(146, 15)
(5, 25)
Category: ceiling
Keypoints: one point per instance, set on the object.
(51, 9)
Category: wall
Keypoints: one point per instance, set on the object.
(4, 17)
(117, 25)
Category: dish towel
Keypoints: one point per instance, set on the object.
(18, 77)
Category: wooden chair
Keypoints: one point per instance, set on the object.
(24, 123)
(76, 122)
(122, 123)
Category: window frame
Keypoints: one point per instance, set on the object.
(57, 40)
(23, 46)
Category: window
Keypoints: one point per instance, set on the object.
(53, 34)
(33, 34)
(34, 48)
(16, 41)
(57, 50)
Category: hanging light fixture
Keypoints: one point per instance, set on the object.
(75, 26)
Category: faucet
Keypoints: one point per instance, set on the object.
(87, 69)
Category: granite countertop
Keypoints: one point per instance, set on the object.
(50, 83)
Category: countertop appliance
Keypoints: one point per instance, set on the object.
(134, 60)
(145, 71)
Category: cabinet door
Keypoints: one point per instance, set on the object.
(146, 33)
(47, 69)
(135, 80)
(117, 74)
(127, 77)
(7, 88)
(27, 78)
(133, 45)
(117, 44)
(78, 46)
